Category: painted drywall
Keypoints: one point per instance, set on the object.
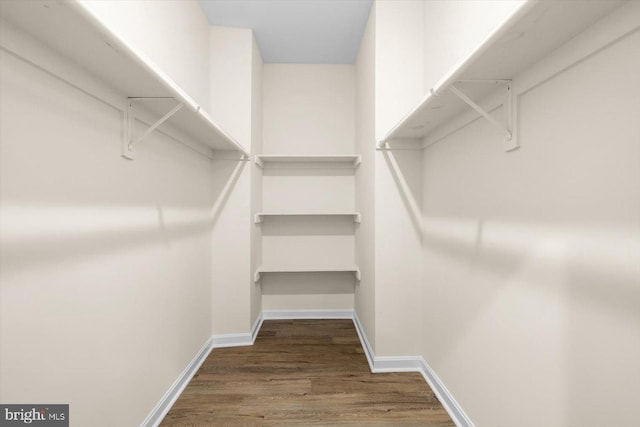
(231, 93)
(106, 263)
(364, 179)
(173, 34)
(398, 180)
(256, 175)
(308, 109)
(399, 60)
(531, 293)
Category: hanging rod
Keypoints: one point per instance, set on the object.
(457, 72)
(116, 106)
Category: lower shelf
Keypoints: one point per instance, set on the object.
(348, 269)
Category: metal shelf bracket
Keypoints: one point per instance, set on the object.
(129, 143)
(508, 126)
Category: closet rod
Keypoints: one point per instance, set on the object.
(456, 72)
(126, 50)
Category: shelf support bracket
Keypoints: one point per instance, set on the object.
(258, 162)
(507, 128)
(129, 144)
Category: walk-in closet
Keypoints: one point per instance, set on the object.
(320, 213)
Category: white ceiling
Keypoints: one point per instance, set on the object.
(297, 31)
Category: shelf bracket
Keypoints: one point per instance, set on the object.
(129, 143)
(256, 277)
(507, 128)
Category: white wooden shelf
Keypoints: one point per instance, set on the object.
(532, 32)
(260, 216)
(340, 269)
(74, 31)
(351, 160)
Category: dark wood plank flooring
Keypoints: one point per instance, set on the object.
(301, 373)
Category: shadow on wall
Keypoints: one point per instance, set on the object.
(39, 235)
(408, 186)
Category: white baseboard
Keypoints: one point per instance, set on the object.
(368, 350)
(306, 314)
(166, 402)
(376, 364)
(444, 396)
(231, 340)
(413, 364)
(238, 340)
(256, 327)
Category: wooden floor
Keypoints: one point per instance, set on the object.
(303, 372)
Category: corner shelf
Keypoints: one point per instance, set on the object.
(350, 160)
(261, 216)
(73, 30)
(346, 269)
(529, 34)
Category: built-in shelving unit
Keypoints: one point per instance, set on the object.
(261, 216)
(264, 159)
(530, 33)
(297, 214)
(74, 31)
(340, 269)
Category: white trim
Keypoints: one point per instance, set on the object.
(445, 397)
(306, 314)
(166, 402)
(376, 364)
(256, 327)
(231, 340)
(381, 364)
(368, 350)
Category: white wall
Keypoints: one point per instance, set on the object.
(399, 60)
(232, 81)
(256, 175)
(308, 109)
(398, 83)
(106, 263)
(173, 34)
(531, 301)
(364, 179)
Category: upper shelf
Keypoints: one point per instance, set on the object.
(530, 33)
(74, 31)
(352, 160)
